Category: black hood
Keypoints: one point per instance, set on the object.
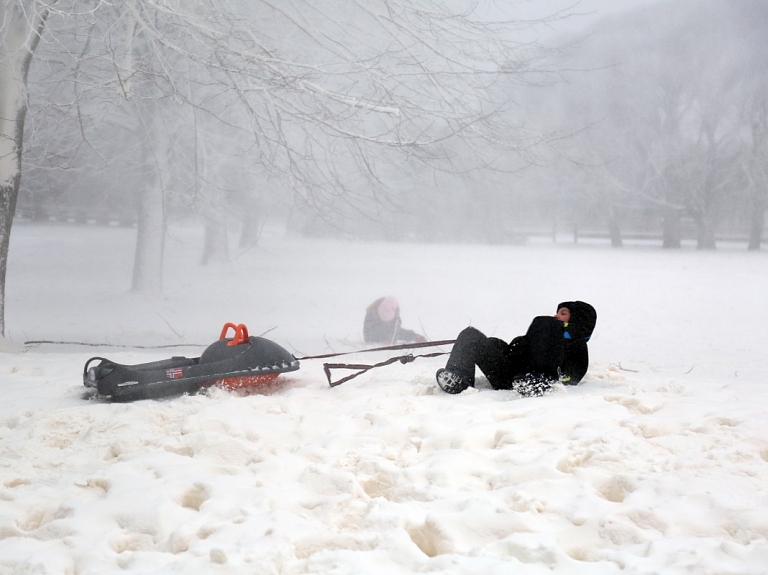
(583, 319)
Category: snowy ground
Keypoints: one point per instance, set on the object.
(656, 463)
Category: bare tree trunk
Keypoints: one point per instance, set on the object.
(212, 172)
(150, 241)
(756, 232)
(614, 229)
(22, 24)
(705, 233)
(8, 194)
(671, 230)
(251, 220)
(216, 242)
(757, 224)
(150, 235)
(757, 168)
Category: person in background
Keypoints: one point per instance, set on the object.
(554, 349)
(382, 323)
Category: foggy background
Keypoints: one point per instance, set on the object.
(615, 120)
(316, 155)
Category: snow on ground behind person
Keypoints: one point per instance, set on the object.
(656, 463)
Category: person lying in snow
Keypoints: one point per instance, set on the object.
(554, 349)
(382, 323)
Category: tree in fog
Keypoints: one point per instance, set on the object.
(320, 94)
(664, 102)
(21, 23)
(756, 162)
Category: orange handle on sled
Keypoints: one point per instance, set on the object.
(241, 333)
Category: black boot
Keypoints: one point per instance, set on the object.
(452, 381)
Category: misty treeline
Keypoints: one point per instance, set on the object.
(663, 113)
(416, 120)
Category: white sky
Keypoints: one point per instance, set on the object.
(585, 12)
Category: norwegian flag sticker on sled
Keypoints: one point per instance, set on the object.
(173, 373)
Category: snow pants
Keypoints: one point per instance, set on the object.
(539, 351)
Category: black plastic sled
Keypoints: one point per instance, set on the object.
(242, 361)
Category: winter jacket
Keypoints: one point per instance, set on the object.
(576, 333)
(377, 330)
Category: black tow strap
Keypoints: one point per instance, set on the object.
(362, 368)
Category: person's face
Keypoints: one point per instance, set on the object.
(563, 314)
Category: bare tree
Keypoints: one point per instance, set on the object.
(326, 92)
(21, 24)
(757, 168)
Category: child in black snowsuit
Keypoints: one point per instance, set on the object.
(553, 349)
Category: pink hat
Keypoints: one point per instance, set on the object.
(387, 308)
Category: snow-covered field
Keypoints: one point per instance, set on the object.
(656, 463)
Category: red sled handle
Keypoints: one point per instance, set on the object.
(241, 333)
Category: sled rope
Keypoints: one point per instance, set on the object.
(362, 368)
(90, 344)
(241, 335)
(385, 348)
